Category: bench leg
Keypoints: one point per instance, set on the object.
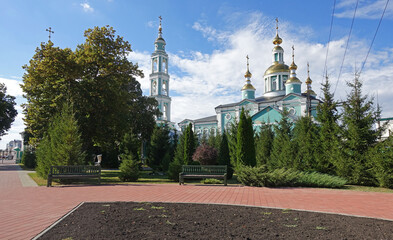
(225, 180)
(49, 183)
(99, 180)
(180, 179)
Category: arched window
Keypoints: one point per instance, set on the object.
(154, 88)
(274, 83)
(164, 112)
(164, 89)
(164, 65)
(155, 65)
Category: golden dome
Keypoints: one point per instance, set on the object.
(278, 48)
(312, 93)
(293, 66)
(277, 40)
(308, 80)
(248, 86)
(248, 74)
(293, 80)
(276, 68)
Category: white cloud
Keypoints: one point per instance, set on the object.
(366, 9)
(86, 7)
(13, 86)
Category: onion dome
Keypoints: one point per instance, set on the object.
(293, 65)
(277, 40)
(248, 85)
(277, 68)
(308, 82)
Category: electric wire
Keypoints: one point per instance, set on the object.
(330, 34)
(376, 31)
(346, 47)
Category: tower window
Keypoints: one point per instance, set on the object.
(155, 65)
(164, 89)
(274, 83)
(276, 57)
(154, 89)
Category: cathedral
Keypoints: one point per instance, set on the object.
(282, 89)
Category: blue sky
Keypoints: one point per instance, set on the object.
(207, 42)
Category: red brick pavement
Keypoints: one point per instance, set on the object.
(26, 211)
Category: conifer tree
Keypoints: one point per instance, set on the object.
(381, 162)
(245, 148)
(223, 157)
(305, 144)
(329, 156)
(282, 153)
(159, 148)
(359, 118)
(264, 144)
(62, 145)
(189, 144)
(232, 141)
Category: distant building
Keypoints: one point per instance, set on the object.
(389, 128)
(13, 144)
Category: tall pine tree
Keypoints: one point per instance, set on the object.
(189, 144)
(329, 142)
(245, 148)
(264, 144)
(159, 148)
(282, 153)
(223, 157)
(359, 118)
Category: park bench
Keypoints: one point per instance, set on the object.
(74, 172)
(203, 171)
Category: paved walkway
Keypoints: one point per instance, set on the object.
(26, 211)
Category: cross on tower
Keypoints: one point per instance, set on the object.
(277, 23)
(247, 61)
(308, 70)
(50, 31)
(293, 52)
(160, 28)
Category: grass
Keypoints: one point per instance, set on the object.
(367, 189)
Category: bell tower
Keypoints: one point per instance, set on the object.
(159, 79)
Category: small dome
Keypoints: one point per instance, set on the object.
(308, 80)
(248, 74)
(276, 68)
(293, 80)
(248, 86)
(278, 48)
(277, 40)
(312, 93)
(293, 66)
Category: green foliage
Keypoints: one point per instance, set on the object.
(7, 110)
(189, 144)
(130, 144)
(211, 181)
(159, 148)
(359, 118)
(214, 139)
(175, 168)
(62, 145)
(264, 144)
(260, 177)
(329, 142)
(129, 168)
(305, 141)
(232, 141)
(245, 147)
(282, 150)
(29, 158)
(100, 82)
(224, 157)
(206, 155)
(380, 160)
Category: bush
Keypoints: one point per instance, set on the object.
(206, 155)
(211, 181)
(29, 159)
(259, 177)
(129, 168)
(174, 169)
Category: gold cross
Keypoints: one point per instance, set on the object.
(293, 53)
(247, 62)
(308, 69)
(276, 23)
(50, 31)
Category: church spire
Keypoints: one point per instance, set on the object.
(277, 40)
(293, 84)
(160, 28)
(248, 90)
(309, 82)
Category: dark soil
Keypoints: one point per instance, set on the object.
(131, 220)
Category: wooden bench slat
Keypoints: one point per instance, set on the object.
(203, 171)
(76, 171)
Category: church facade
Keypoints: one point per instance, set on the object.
(282, 89)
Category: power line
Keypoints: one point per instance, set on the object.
(346, 47)
(330, 34)
(376, 31)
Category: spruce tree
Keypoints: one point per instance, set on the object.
(282, 152)
(223, 157)
(189, 144)
(232, 142)
(381, 162)
(329, 142)
(159, 148)
(62, 145)
(359, 118)
(245, 148)
(264, 144)
(305, 139)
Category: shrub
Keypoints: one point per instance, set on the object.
(206, 155)
(174, 169)
(211, 181)
(28, 158)
(129, 168)
(259, 177)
